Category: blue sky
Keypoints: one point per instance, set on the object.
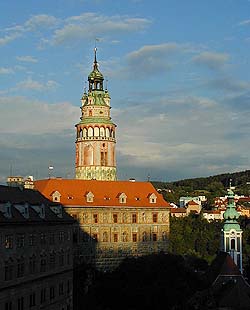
(178, 76)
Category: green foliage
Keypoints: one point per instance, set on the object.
(195, 236)
(147, 282)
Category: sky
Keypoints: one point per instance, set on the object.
(177, 72)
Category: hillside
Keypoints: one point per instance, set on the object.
(212, 186)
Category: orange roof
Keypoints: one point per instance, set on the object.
(193, 203)
(178, 210)
(73, 192)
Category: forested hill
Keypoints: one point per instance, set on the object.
(211, 186)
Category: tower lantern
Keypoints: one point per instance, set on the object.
(95, 133)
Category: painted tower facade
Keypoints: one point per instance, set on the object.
(231, 232)
(95, 133)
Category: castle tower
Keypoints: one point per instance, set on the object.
(231, 232)
(95, 133)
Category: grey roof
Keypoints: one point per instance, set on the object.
(16, 196)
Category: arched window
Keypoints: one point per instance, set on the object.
(90, 132)
(84, 133)
(107, 132)
(102, 132)
(96, 131)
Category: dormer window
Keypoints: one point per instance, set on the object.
(152, 198)
(56, 196)
(122, 198)
(89, 197)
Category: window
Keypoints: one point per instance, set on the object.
(52, 292)
(61, 289)
(20, 240)
(115, 218)
(56, 196)
(104, 158)
(134, 237)
(105, 237)
(152, 198)
(154, 237)
(164, 236)
(43, 264)
(122, 198)
(43, 295)
(68, 286)
(89, 197)
(8, 270)
(32, 299)
(20, 303)
(32, 264)
(51, 238)
(32, 239)
(95, 217)
(115, 237)
(61, 236)
(20, 267)
(124, 236)
(8, 305)
(61, 258)
(42, 238)
(52, 260)
(134, 218)
(8, 243)
(155, 217)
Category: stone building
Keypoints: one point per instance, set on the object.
(115, 219)
(36, 265)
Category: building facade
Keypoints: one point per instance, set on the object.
(114, 219)
(36, 265)
(95, 133)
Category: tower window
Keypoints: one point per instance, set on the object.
(232, 244)
(104, 158)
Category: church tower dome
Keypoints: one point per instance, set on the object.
(95, 133)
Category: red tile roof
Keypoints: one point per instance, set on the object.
(178, 210)
(102, 191)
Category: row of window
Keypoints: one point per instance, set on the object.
(116, 218)
(46, 295)
(21, 240)
(115, 237)
(96, 132)
(20, 267)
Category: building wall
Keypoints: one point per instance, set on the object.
(106, 235)
(46, 284)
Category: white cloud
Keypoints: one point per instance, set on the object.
(244, 22)
(212, 60)
(6, 70)
(37, 86)
(26, 59)
(9, 38)
(35, 117)
(36, 22)
(91, 25)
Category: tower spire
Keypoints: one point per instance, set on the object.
(95, 133)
